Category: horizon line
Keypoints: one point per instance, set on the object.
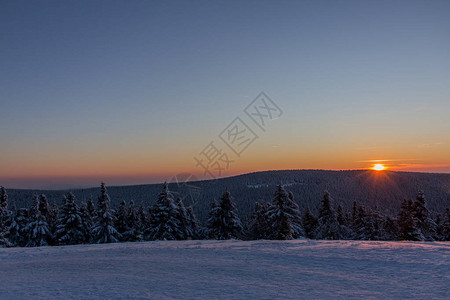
(70, 187)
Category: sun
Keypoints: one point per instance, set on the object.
(378, 167)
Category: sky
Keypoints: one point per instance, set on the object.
(130, 92)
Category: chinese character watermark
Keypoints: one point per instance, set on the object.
(237, 136)
(262, 109)
(213, 159)
(185, 189)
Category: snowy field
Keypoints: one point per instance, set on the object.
(299, 269)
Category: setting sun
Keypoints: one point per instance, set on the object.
(379, 167)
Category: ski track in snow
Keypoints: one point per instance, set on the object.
(299, 269)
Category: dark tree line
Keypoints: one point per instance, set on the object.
(168, 219)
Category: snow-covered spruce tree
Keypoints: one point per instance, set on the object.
(143, 219)
(309, 223)
(121, 223)
(296, 221)
(258, 225)
(88, 222)
(91, 208)
(16, 233)
(279, 217)
(197, 232)
(185, 231)
(283, 217)
(376, 225)
(34, 209)
(212, 224)
(4, 218)
(4, 241)
(390, 229)
(44, 207)
(354, 213)
(361, 226)
(341, 216)
(425, 223)
(164, 224)
(439, 227)
(227, 224)
(70, 228)
(4, 212)
(134, 233)
(345, 231)
(104, 231)
(38, 230)
(407, 223)
(327, 225)
(150, 216)
(53, 214)
(50, 216)
(446, 225)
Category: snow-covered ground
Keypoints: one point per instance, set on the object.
(299, 269)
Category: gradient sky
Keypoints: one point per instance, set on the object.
(130, 91)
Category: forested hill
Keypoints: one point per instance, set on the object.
(385, 189)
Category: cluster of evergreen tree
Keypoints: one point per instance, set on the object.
(70, 224)
(282, 220)
(44, 224)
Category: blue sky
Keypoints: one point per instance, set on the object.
(130, 90)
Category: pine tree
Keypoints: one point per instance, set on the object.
(344, 230)
(91, 209)
(213, 221)
(446, 225)
(44, 208)
(4, 241)
(134, 234)
(185, 231)
(328, 227)
(38, 231)
(87, 221)
(376, 225)
(390, 229)
(439, 227)
(425, 223)
(142, 215)
(284, 217)
(121, 223)
(309, 222)
(4, 217)
(259, 224)
(361, 225)
(296, 220)
(354, 212)
(197, 232)
(104, 231)
(4, 212)
(53, 213)
(340, 216)
(407, 223)
(34, 209)
(150, 216)
(70, 228)
(17, 233)
(165, 224)
(228, 224)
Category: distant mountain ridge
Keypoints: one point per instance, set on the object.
(385, 189)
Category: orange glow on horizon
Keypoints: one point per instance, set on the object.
(378, 167)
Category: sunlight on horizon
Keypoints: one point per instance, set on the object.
(378, 167)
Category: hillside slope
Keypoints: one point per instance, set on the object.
(370, 188)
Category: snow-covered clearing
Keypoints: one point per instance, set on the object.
(300, 269)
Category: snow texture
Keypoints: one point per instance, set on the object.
(296, 269)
